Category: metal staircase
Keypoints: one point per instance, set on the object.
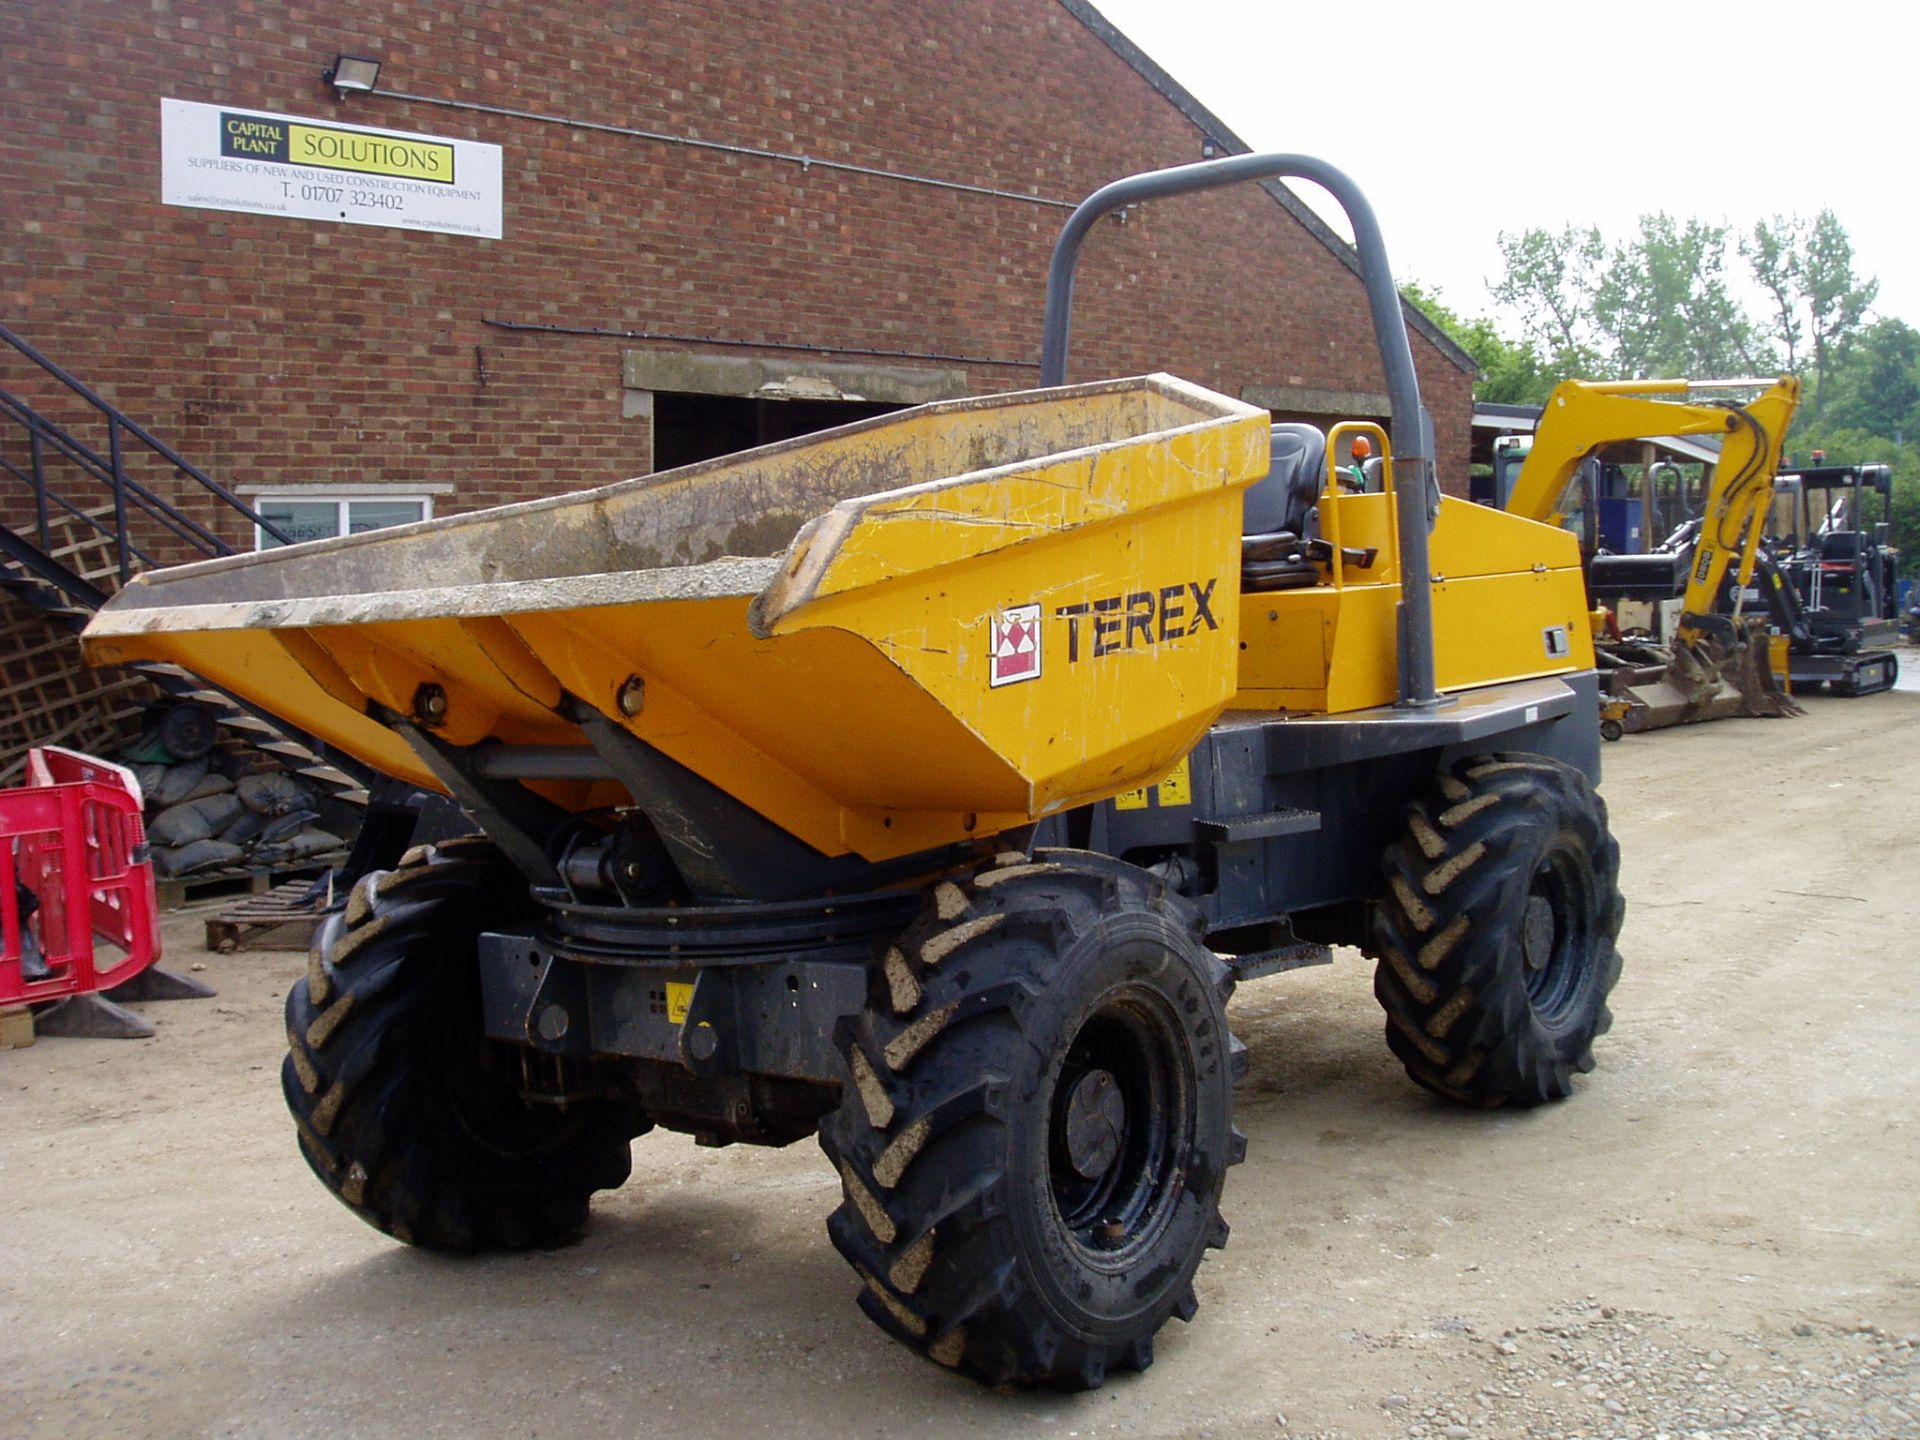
(103, 512)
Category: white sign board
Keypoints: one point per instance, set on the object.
(216, 157)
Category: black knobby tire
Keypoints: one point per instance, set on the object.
(1038, 1123)
(1496, 937)
(404, 1109)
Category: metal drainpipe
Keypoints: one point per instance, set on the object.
(1412, 427)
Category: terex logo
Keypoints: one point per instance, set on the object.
(1142, 619)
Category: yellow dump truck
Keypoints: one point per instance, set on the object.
(929, 784)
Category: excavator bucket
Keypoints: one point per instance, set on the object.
(1704, 676)
(1760, 680)
(902, 633)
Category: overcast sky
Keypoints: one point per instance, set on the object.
(1462, 120)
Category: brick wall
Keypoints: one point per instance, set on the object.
(273, 350)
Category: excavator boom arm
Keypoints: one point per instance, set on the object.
(1583, 415)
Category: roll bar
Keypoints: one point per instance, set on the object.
(1414, 488)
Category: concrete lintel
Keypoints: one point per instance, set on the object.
(1305, 400)
(353, 489)
(774, 378)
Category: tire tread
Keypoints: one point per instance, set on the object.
(928, 1162)
(379, 977)
(1447, 932)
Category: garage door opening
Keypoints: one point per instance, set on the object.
(689, 427)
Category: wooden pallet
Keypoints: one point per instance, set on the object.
(273, 920)
(16, 1028)
(179, 891)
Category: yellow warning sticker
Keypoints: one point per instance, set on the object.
(679, 997)
(1176, 789)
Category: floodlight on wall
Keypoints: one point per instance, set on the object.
(352, 75)
(1209, 147)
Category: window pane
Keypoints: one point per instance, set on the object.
(365, 515)
(299, 519)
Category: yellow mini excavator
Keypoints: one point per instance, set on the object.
(1719, 662)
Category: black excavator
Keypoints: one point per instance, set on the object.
(1837, 574)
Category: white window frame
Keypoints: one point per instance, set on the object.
(342, 495)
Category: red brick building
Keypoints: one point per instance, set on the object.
(720, 222)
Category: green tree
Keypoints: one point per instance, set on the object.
(1876, 388)
(1510, 372)
(1773, 255)
(1906, 517)
(1507, 371)
(1549, 283)
(1837, 299)
(1664, 308)
(1429, 304)
(1819, 301)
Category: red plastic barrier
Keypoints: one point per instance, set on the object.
(74, 837)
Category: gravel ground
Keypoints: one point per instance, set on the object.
(1716, 1238)
(1594, 1372)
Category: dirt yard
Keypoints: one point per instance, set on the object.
(1718, 1237)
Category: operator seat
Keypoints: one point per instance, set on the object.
(1284, 499)
(1280, 511)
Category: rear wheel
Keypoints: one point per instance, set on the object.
(407, 1112)
(1038, 1123)
(1497, 934)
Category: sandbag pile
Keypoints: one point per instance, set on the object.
(202, 820)
(201, 817)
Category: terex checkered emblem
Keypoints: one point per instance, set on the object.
(1015, 651)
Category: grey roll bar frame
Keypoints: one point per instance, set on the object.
(1412, 428)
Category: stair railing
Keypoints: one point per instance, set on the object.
(47, 439)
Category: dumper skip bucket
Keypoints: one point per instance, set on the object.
(940, 623)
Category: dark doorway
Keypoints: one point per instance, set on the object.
(689, 427)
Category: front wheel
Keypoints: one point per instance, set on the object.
(1497, 932)
(1037, 1124)
(405, 1110)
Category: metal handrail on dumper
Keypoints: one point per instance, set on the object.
(1414, 487)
